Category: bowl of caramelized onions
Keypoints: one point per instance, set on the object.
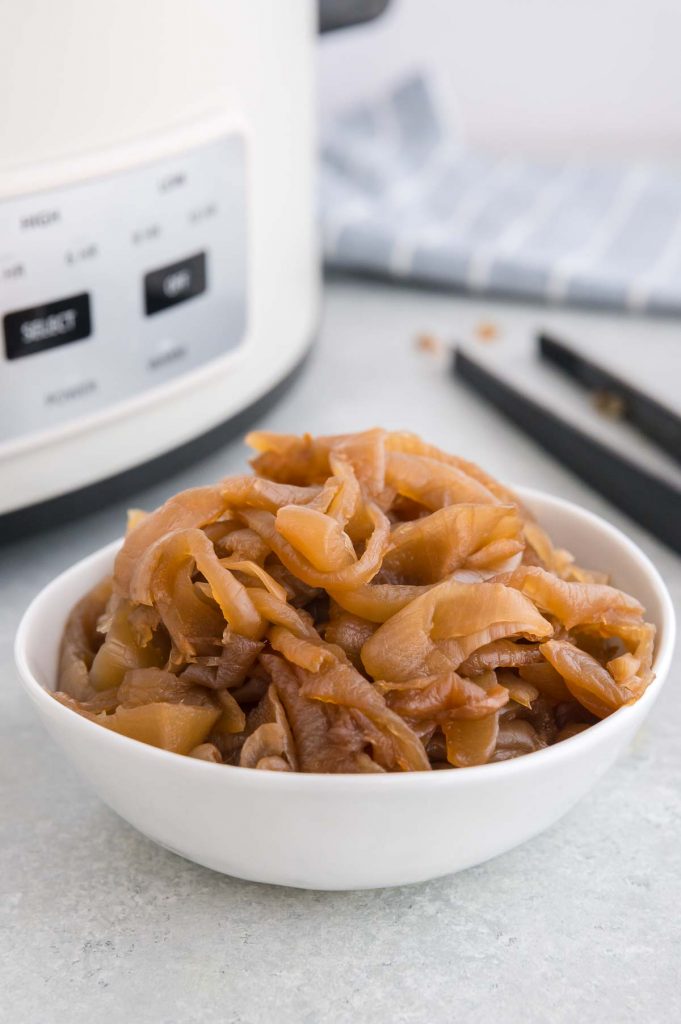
(365, 663)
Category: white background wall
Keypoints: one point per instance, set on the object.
(559, 75)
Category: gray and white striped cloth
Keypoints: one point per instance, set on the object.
(401, 197)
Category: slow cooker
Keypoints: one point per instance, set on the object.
(159, 274)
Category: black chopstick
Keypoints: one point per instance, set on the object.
(661, 424)
(653, 502)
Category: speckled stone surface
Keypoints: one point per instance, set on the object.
(581, 924)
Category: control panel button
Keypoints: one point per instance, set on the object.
(41, 327)
(175, 283)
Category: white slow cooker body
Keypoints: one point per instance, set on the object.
(100, 90)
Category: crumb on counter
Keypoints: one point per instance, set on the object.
(429, 343)
(608, 404)
(487, 330)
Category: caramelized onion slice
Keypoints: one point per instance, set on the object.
(268, 733)
(411, 444)
(257, 571)
(572, 603)
(442, 698)
(307, 654)
(267, 741)
(361, 571)
(376, 602)
(317, 537)
(498, 556)
(288, 458)
(188, 509)
(318, 748)
(519, 690)
(501, 654)
(81, 641)
(190, 615)
(232, 719)
(453, 619)
(282, 614)
(153, 578)
(366, 454)
(156, 686)
(515, 738)
(344, 686)
(426, 550)
(176, 727)
(274, 764)
(346, 501)
(433, 484)
(350, 633)
(544, 678)
(122, 651)
(238, 656)
(589, 682)
(471, 741)
(240, 545)
(624, 668)
(206, 752)
(93, 705)
(638, 637)
(557, 560)
(306, 460)
(254, 492)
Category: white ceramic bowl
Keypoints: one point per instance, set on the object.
(345, 831)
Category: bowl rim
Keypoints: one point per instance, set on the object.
(565, 750)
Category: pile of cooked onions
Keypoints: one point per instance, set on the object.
(363, 603)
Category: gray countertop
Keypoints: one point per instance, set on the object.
(99, 924)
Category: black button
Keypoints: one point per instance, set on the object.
(175, 283)
(41, 327)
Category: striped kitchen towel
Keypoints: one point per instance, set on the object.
(401, 197)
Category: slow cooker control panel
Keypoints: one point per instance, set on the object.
(115, 286)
